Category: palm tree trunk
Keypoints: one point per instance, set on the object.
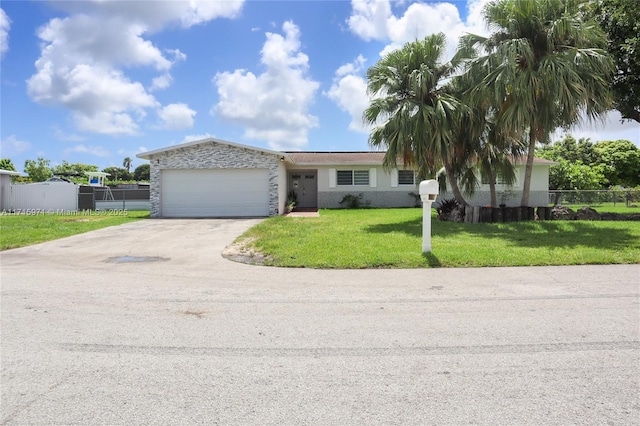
(453, 182)
(526, 187)
(492, 190)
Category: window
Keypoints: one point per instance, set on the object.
(498, 180)
(353, 177)
(406, 177)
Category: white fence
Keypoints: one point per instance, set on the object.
(44, 196)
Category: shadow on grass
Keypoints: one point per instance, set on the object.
(603, 235)
(432, 260)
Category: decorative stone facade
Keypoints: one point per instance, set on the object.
(213, 155)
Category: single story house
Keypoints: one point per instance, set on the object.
(215, 178)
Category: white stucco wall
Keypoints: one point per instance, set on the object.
(380, 195)
(511, 195)
(282, 187)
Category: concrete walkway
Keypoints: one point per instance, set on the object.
(147, 323)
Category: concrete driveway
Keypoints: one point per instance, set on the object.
(186, 337)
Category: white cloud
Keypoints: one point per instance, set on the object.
(374, 19)
(158, 14)
(177, 116)
(84, 58)
(611, 128)
(272, 106)
(11, 145)
(98, 151)
(62, 136)
(5, 26)
(161, 82)
(369, 19)
(349, 91)
(193, 138)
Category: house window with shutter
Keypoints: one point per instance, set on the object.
(406, 177)
(352, 177)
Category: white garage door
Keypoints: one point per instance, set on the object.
(214, 192)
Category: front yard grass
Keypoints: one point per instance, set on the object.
(392, 238)
(22, 230)
(606, 207)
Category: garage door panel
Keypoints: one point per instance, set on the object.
(215, 192)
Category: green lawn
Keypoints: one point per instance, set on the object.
(606, 207)
(23, 230)
(392, 238)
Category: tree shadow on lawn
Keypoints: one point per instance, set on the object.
(552, 234)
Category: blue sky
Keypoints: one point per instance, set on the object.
(96, 81)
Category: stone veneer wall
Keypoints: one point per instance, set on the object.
(211, 155)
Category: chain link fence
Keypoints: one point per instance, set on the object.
(622, 197)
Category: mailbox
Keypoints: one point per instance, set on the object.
(428, 190)
(428, 193)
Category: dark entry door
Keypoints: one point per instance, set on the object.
(305, 185)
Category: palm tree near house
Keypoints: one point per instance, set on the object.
(126, 163)
(414, 111)
(544, 67)
(496, 155)
(489, 151)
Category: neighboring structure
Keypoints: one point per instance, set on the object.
(215, 178)
(5, 188)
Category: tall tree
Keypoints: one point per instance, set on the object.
(126, 163)
(620, 19)
(494, 149)
(414, 111)
(38, 170)
(622, 161)
(142, 172)
(7, 164)
(117, 174)
(545, 66)
(571, 150)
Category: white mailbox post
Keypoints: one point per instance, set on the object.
(428, 193)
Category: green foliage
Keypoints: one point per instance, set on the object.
(126, 163)
(38, 170)
(292, 200)
(142, 173)
(571, 150)
(620, 19)
(622, 161)
(415, 112)
(352, 201)
(570, 175)
(584, 165)
(117, 174)
(7, 164)
(531, 41)
(74, 172)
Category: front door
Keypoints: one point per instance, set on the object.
(305, 185)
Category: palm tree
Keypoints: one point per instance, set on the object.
(544, 66)
(414, 111)
(126, 163)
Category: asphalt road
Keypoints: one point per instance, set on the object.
(147, 324)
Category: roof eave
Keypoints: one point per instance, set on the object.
(147, 155)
